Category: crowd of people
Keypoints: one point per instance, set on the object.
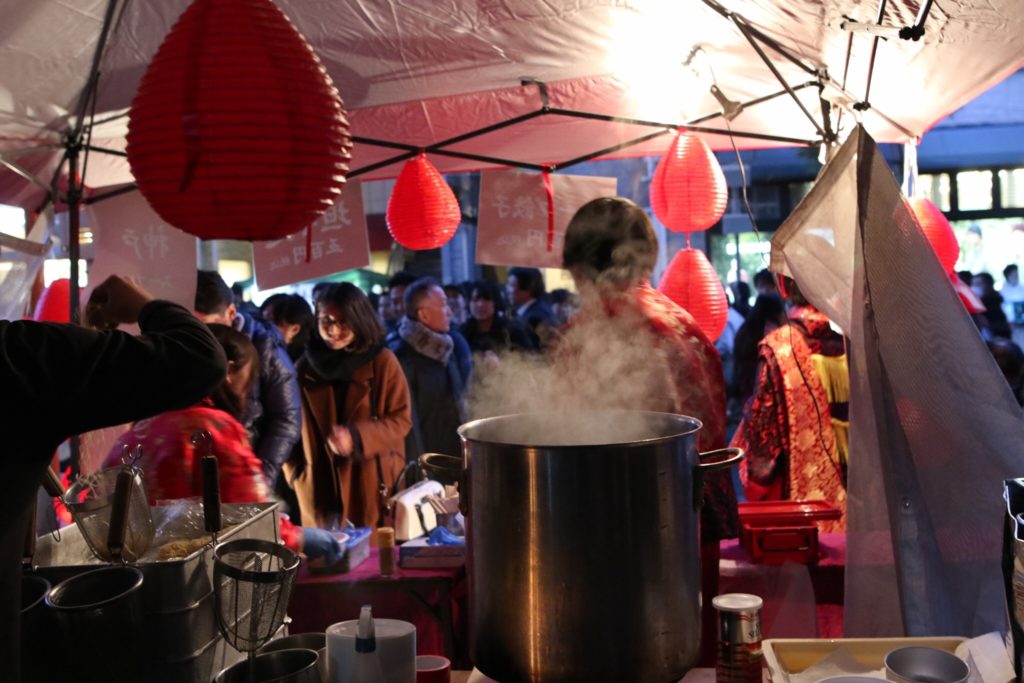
(326, 404)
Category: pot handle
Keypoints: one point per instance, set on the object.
(736, 454)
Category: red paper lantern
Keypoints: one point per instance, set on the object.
(691, 282)
(937, 229)
(422, 211)
(54, 305)
(688, 191)
(236, 131)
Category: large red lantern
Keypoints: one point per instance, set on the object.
(423, 212)
(688, 190)
(236, 131)
(691, 282)
(937, 230)
(54, 304)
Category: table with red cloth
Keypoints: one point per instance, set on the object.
(800, 601)
(434, 600)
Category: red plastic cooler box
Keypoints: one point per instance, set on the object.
(778, 531)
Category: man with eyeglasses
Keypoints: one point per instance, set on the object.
(437, 363)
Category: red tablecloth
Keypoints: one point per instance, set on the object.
(433, 600)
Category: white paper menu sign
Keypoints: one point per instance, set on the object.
(130, 239)
(339, 242)
(512, 228)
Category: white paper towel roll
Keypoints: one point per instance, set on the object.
(396, 649)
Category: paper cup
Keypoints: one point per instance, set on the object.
(433, 669)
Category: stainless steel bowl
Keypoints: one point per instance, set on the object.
(282, 666)
(925, 665)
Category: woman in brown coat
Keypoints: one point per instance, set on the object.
(355, 415)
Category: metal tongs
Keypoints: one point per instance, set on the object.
(211, 482)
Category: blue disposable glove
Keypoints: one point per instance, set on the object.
(318, 543)
(441, 536)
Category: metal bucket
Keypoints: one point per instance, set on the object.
(583, 541)
(303, 641)
(100, 614)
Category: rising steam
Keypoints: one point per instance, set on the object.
(601, 362)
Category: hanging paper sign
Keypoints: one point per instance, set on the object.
(338, 242)
(512, 229)
(130, 239)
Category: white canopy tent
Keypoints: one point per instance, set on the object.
(420, 74)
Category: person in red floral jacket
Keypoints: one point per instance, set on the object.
(650, 354)
(171, 464)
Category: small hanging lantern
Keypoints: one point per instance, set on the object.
(236, 131)
(691, 282)
(423, 212)
(688, 190)
(937, 230)
(54, 305)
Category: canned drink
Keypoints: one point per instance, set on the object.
(739, 638)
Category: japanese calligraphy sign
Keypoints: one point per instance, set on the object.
(339, 242)
(513, 224)
(131, 239)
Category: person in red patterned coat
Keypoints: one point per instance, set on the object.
(171, 464)
(663, 361)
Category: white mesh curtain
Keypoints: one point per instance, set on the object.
(934, 429)
(20, 260)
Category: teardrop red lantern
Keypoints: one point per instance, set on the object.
(937, 230)
(423, 212)
(236, 131)
(54, 305)
(688, 190)
(691, 282)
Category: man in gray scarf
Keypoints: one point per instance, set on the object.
(437, 364)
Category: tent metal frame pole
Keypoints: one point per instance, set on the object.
(73, 197)
(755, 101)
(699, 129)
(110, 195)
(24, 174)
(106, 150)
(767, 40)
(745, 30)
(488, 159)
(91, 82)
(866, 102)
(608, 150)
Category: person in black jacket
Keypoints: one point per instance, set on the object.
(437, 364)
(273, 414)
(60, 380)
(527, 296)
(488, 328)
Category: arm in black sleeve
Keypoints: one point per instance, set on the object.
(82, 379)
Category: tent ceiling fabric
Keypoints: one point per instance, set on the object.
(421, 71)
